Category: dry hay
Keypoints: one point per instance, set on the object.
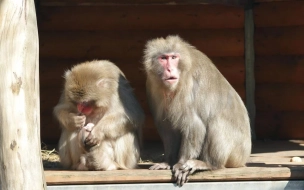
(50, 157)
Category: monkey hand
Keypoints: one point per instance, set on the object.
(77, 121)
(89, 127)
(180, 174)
(160, 166)
(91, 141)
(182, 171)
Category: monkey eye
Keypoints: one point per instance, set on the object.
(174, 57)
(163, 57)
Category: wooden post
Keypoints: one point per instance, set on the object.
(20, 154)
(249, 66)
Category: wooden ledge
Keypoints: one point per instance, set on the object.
(137, 2)
(154, 176)
(269, 161)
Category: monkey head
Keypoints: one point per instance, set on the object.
(89, 89)
(167, 60)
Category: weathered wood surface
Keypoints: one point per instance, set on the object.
(154, 176)
(157, 17)
(130, 44)
(270, 160)
(279, 67)
(20, 159)
(286, 69)
(275, 14)
(269, 1)
(280, 97)
(280, 124)
(279, 40)
(139, 2)
(280, 110)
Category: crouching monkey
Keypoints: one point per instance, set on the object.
(101, 119)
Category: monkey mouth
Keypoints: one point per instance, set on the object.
(171, 79)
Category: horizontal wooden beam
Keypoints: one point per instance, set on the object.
(269, 161)
(152, 17)
(274, 13)
(237, 185)
(138, 2)
(266, 1)
(105, 44)
(153, 176)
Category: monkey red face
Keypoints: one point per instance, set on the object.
(169, 62)
(85, 108)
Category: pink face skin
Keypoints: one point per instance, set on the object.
(84, 108)
(169, 62)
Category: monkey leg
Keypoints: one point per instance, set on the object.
(127, 151)
(171, 141)
(101, 157)
(69, 151)
(82, 164)
(182, 171)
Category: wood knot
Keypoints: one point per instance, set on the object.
(13, 145)
(16, 85)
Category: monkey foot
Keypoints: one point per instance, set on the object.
(82, 167)
(160, 166)
(182, 171)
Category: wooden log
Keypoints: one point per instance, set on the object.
(269, 1)
(279, 97)
(139, 2)
(152, 176)
(20, 159)
(279, 69)
(150, 17)
(269, 161)
(279, 40)
(278, 14)
(108, 44)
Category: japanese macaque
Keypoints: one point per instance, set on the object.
(201, 119)
(101, 119)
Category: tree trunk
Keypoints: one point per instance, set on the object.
(20, 155)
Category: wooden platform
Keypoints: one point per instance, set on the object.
(270, 161)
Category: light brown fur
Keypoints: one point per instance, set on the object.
(113, 143)
(201, 119)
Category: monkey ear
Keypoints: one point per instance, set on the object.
(104, 83)
(67, 74)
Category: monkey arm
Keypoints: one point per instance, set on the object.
(112, 126)
(68, 117)
(192, 135)
(192, 140)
